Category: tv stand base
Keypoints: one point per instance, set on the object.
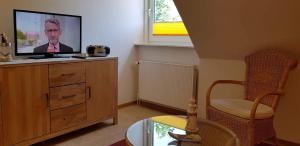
(46, 56)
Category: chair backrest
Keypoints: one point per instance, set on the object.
(267, 71)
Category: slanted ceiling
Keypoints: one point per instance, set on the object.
(231, 29)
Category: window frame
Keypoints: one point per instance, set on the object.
(159, 39)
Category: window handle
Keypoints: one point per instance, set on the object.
(149, 12)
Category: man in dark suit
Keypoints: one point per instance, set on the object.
(52, 31)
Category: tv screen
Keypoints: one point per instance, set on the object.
(39, 33)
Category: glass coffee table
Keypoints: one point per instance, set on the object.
(154, 132)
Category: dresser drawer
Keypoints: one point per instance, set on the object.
(66, 73)
(65, 96)
(67, 117)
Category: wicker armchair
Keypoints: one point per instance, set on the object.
(251, 118)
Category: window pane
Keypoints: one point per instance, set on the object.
(167, 20)
(165, 11)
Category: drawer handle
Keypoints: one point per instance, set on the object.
(48, 100)
(68, 96)
(70, 74)
(90, 92)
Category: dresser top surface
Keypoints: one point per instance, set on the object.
(51, 61)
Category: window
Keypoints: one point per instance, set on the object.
(164, 24)
(167, 20)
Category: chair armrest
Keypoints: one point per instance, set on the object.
(208, 93)
(258, 99)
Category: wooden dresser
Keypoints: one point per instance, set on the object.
(42, 99)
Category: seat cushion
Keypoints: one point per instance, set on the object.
(241, 108)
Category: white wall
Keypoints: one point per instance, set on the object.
(168, 54)
(116, 23)
(211, 70)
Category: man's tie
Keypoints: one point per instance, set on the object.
(51, 49)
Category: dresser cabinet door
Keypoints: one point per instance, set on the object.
(24, 102)
(1, 126)
(101, 81)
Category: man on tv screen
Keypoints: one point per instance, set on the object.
(53, 32)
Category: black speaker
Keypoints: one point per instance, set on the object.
(97, 50)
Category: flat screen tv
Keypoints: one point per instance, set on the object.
(44, 33)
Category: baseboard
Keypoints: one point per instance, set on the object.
(126, 104)
(162, 108)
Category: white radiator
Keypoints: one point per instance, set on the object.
(168, 84)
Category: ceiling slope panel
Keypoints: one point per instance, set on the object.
(231, 29)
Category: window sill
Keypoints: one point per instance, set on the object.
(163, 45)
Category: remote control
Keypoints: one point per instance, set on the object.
(80, 57)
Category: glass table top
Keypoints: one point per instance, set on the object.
(149, 132)
(154, 132)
